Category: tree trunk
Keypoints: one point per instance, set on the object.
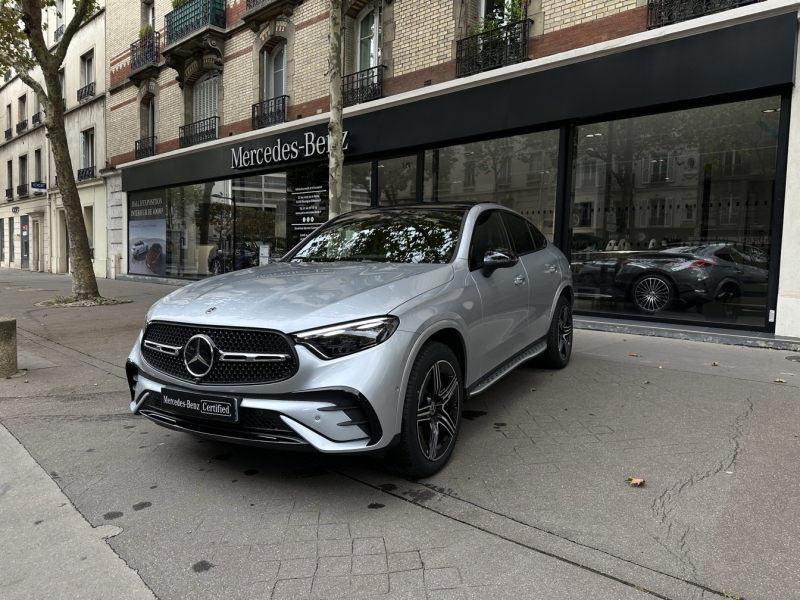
(335, 151)
(84, 283)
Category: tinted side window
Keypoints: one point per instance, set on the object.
(538, 237)
(489, 233)
(519, 232)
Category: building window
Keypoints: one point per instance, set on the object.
(149, 14)
(59, 13)
(23, 109)
(204, 100)
(87, 68)
(63, 81)
(274, 82)
(504, 172)
(731, 162)
(8, 116)
(657, 168)
(2, 241)
(368, 32)
(469, 174)
(11, 239)
(37, 165)
(23, 170)
(87, 149)
(9, 176)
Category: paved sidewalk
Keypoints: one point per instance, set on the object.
(533, 504)
(48, 549)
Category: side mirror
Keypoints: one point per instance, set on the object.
(499, 258)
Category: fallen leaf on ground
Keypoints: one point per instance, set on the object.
(635, 481)
(637, 355)
(778, 380)
(645, 382)
(715, 364)
(660, 367)
(533, 389)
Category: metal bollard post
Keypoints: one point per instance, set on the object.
(8, 347)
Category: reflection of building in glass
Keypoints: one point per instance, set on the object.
(680, 202)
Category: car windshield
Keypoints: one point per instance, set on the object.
(393, 236)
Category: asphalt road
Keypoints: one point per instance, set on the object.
(534, 503)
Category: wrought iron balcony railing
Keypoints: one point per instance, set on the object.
(84, 174)
(362, 86)
(22, 190)
(145, 147)
(58, 33)
(191, 16)
(36, 119)
(22, 126)
(86, 92)
(668, 12)
(506, 45)
(9, 193)
(270, 112)
(7, 75)
(145, 50)
(8, 133)
(198, 132)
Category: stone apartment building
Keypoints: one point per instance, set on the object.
(649, 141)
(34, 233)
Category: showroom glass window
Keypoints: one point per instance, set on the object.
(519, 172)
(671, 213)
(201, 230)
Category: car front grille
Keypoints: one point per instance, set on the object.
(226, 340)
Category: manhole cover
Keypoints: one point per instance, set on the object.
(794, 358)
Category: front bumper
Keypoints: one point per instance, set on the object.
(346, 405)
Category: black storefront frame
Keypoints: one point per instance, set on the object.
(762, 67)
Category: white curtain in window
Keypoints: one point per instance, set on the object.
(368, 31)
(274, 72)
(205, 99)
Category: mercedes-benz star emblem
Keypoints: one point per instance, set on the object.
(198, 355)
(210, 310)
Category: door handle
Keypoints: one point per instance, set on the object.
(519, 280)
(552, 268)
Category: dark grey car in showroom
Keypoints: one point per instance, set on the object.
(367, 337)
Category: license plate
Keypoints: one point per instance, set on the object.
(201, 406)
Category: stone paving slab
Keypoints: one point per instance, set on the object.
(48, 549)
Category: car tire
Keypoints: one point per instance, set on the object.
(652, 293)
(435, 379)
(559, 337)
(216, 267)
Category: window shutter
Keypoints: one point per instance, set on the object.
(83, 150)
(670, 167)
(646, 169)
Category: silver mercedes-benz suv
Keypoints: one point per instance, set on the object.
(368, 336)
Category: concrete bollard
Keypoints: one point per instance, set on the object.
(8, 347)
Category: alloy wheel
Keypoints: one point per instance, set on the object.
(652, 293)
(564, 332)
(437, 410)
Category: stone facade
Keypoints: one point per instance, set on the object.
(40, 211)
(417, 48)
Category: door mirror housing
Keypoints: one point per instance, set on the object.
(499, 258)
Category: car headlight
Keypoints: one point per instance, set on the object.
(347, 338)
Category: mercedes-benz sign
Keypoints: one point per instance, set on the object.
(198, 355)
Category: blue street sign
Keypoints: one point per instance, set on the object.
(39, 185)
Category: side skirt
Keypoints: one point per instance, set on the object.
(530, 352)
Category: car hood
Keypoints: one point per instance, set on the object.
(292, 297)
